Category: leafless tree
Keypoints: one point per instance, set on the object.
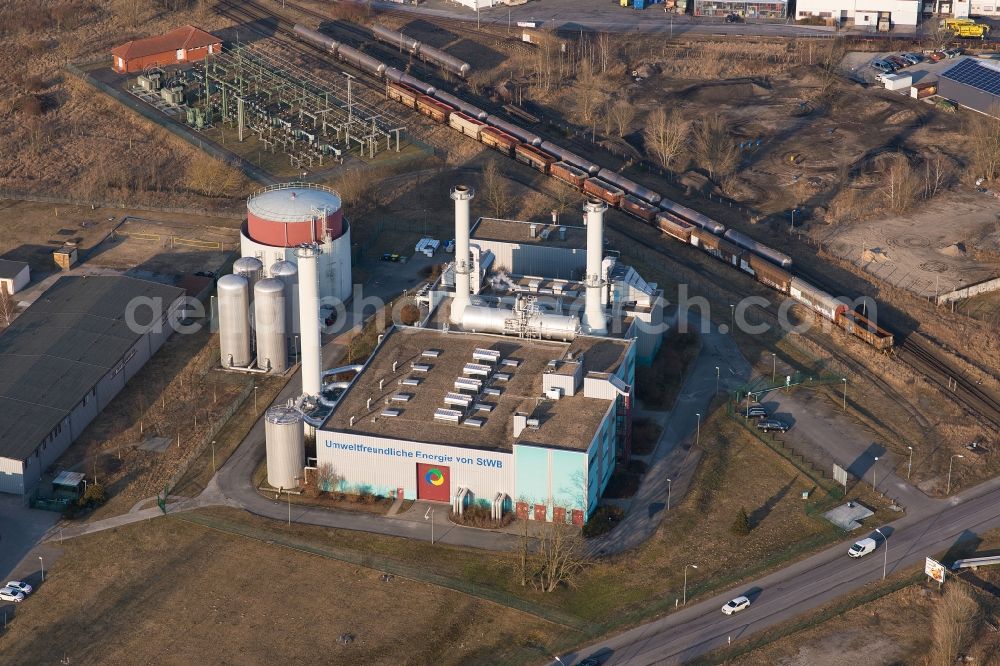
(622, 114)
(714, 146)
(591, 91)
(130, 11)
(210, 177)
(954, 624)
(900, 184)
(604, 51)
(984, 138)
(7, 305)
(495, 190)
(524, 570)
(666, 135)
(560, 555)
(936, 175)
(327, 478)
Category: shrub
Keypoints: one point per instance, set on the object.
(604, 520)
(94, 495)
(741, 526)
(410, 314)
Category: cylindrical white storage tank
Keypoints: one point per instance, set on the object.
(593, 313)
(269, 325)
(288, 273)
(251, 268)
(234, 321)
(312, 357)
(462, 194)
(286, 452)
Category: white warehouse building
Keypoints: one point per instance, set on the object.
(862, 12)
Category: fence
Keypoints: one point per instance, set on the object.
(96, 203)
(972, 290)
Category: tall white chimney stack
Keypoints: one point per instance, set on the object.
(593, 313)
(462, 194)
(308, 258)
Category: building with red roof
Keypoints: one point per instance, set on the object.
(186, 44)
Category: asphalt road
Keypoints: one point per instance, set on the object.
(802, 586)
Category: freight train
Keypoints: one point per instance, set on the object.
(765, 264)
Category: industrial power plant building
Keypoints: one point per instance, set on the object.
(63, 360)
(183, 45)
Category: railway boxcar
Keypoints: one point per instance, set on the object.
(513, 130)
(533, 157)
(466, 125)
(693, 216)
(630, 186)
(604, 191)
(494, 138)
(641, 209)
(716, 246)
(569, 157)
(815, 299)
(769, 253)
(674, 226)
(402, 94)
(569, 174)
(767, 273)
(858, 325)
(433, 109)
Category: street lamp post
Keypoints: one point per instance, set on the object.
(732, 318)
(909, 465)
(774, 366)
(430, 514)
(950, 463)
(716, 380)
(669, 484)
(42, 563)
(885, 561)
(844, 379)
(693, 566)
(255, 398)
(697, 437)
(873, 474)
(213, 455)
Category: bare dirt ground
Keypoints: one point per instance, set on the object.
(145, 245)
(174, 592)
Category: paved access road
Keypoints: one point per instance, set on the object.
(802, 586)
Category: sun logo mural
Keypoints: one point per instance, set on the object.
(434, 477)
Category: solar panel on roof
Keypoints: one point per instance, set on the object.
(976, 74)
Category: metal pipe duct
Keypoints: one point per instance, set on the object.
(308, 258)
(462, 194)
(593, 313)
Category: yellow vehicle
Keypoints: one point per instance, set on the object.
(953, 23)
(974, 31)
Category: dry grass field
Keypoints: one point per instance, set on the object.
(170, 592)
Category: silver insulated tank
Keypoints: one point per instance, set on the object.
(251, 268)
(288, 273)
(269, 324)
(234, 321)
(286, 452)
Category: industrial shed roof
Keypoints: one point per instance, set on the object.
(980, 74)
(58, 350)
(11, 269)
(186, 37)
(516, 231)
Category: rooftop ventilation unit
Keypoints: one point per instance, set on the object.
(545, 233)
(459, 399)
(391, 412)
(492, 391)
(488, 355)
(410, 381)
(402, 397)
(511, 362)
(534, 285)
(468, 384)
(430, 353)
(483, 407)
(477, 369)
(474, 422)
(554, 393)
(533, 424)
(501, 376)
(420, 367)
(450, 415)
(533, 230)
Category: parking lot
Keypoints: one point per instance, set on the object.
(858, 66)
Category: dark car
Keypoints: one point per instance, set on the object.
(898, 62)
(734, 18)
(768, 425)
(756, 413)
(208, 274)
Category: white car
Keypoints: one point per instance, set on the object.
(10, 594)
(736, 605)
(20, 586)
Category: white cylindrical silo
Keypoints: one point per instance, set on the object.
(309, 317)
(269, 325)
(288, 273)
(286, 453)
(251, 268)
(234, 321)
(462, 194)
(593, 313)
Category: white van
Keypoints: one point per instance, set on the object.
(862, 548)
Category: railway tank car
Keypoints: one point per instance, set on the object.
(747, 243)
(693, 216)
(423, 51)
(630, 186)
